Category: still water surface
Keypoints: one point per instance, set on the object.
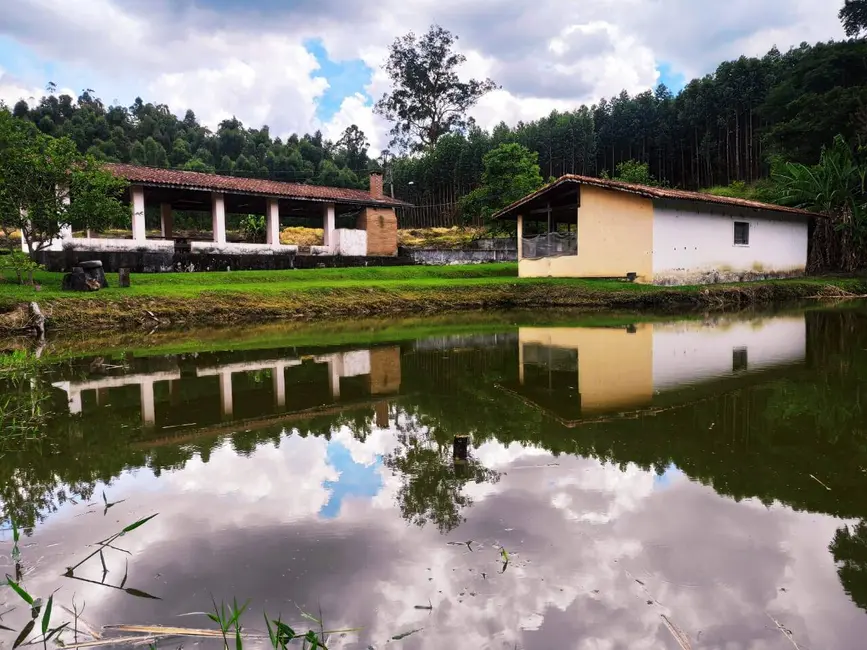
(706, 475)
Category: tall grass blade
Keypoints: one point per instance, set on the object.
(125, 574)
(140, 522)
(24, 633)
(138, 593)
(18, 589)
(46, 616)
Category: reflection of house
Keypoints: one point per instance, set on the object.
(316, 381)
(579, 372)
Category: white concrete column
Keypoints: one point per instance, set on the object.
(226, 393)
(136, 193)
(75, 402)
(520, 236)
(272, 222)
(148, 412)
(24, 241)
(218, 217)
(328, 225)
(335, 372)
(279, 379)
(520, 358)
(167, 220)
(65, 230)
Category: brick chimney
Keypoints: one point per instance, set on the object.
(376, 185)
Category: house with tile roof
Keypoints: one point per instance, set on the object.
(586, 227)
(370, 213)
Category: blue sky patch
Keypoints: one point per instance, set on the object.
(671, 473)
(355, 480)
(670, 77)
(345, 78)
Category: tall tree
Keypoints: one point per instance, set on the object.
(854, 16)
(428, 99)
(353, 146)
(511, 172)
(45, 185)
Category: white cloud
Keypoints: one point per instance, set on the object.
(250, 61)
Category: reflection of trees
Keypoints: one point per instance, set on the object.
(747, 437)
(849, 549)
(432, 484)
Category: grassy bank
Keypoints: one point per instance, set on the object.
(255, 297)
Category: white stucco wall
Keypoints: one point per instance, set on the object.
(688, 352)
(98, 244)
(349, 241)
(695, 243)
(230, 248)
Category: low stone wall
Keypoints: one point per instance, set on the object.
(162, 262)
(436, 257)
(682, 278)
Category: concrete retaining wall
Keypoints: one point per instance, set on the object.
(436, 257)
(150, 262)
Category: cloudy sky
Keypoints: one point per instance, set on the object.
(299, 65)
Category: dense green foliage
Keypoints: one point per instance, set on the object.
(632, 171)
(835, 187)
(148, 134)
(511, 172)
(46, 184)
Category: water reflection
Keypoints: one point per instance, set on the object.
(574, 372)
(709, 472)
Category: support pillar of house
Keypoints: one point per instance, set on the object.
(24, 241)
(148, 410)
(279, 379)
(75, 402)
(218, 217)
(167, 220)
(272, 223)
(226, 393)
(520, 236)
(328, 225)
(335, 371)
(520, 346)
(137, 200)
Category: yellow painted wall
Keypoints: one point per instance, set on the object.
(615, 237)
(615, 368)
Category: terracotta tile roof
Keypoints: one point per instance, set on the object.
(154, 176)
(651, 193)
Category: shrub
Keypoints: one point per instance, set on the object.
(19, 263)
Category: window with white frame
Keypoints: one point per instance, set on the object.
(742, 233)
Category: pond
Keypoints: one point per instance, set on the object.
(696, 482)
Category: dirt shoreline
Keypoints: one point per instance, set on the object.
(236, 308)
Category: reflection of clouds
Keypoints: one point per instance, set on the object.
(580, 535)
(291, 476)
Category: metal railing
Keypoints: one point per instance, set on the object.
(552, 244)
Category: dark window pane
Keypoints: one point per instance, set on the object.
(742, 233)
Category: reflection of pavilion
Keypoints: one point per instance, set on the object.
(311, 388)
(577, 372)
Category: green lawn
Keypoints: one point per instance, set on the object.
(350, 293)
(264, 283)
